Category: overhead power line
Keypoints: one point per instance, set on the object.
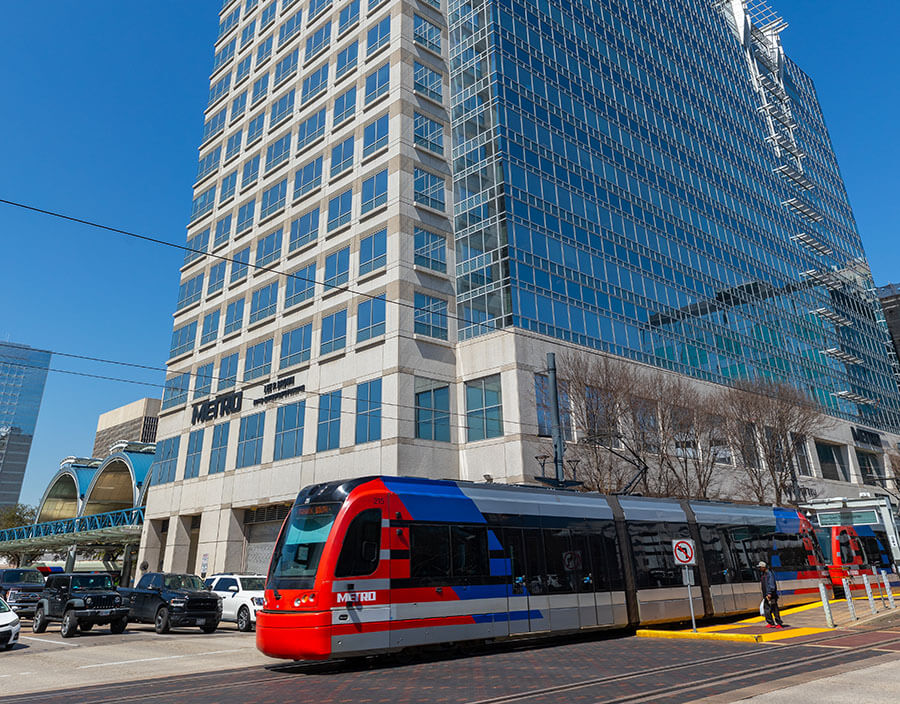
(224, 258)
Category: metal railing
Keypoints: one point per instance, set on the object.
(98, 521)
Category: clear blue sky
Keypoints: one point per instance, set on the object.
(102, 115)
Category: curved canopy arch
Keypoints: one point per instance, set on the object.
(111, 490)
(64, 494)
(118, 483)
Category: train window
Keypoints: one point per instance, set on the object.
(560, 561)
(823, 538)
(717, 554)
(429, 554)
(470, 553)
(605, 559)
(792, 553)
(362, 545)
(875, 555)
(514, 547)
(653, 561)
(536, 570)
(579, 569)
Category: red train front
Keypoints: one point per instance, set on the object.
(318, 589)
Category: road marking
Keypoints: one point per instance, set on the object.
(55, 642)
(164, 657)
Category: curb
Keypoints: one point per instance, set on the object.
(690, 635)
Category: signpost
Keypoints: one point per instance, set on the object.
(686, 556)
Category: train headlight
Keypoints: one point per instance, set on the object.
(117, 600)
(89, 600)
(297, 601)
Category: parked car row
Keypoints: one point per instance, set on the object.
(81, 600)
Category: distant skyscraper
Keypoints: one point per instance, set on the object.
(418, 199)
(890, 303)
(135, 422)
(23, 372)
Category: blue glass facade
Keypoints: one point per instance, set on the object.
(23, 372)
(626, 179)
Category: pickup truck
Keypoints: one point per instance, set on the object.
(172, 600)
(21, 589)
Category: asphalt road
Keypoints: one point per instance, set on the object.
(604, 669)
(48, 661)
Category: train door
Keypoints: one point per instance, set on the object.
(517, 589)
(581, 575)
(361, 613)
(536, 580)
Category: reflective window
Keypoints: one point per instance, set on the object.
(373, 252)
(334, 332)
(368, 411)
(430, 316)
(295, 346)
(375, 135)
(328, 436)
(289, 430)
(300, 286)
(432, 409)
(258, 361)
(370, 316)
(250, 439)
(484, 408)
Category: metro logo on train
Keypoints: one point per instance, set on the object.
(435, 561)
(355, 597)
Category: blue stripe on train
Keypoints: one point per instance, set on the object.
(434, 500)
(507, 616)
(501, 567)
(481, 591)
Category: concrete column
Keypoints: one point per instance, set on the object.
(178, 545)
(151, 548)
(852, 463)
(230, 546)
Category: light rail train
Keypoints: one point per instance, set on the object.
(385, 563)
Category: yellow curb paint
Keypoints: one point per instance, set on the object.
(792, 633)
(690, 635)
(721, 627)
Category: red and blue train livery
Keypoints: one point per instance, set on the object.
(384, 563)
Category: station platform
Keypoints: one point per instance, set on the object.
(805, 622)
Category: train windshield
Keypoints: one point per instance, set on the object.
(300, 546)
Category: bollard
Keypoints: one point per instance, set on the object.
(850, 607)
(869, 593)
(826, 607)
(880, 588)
(887, 588)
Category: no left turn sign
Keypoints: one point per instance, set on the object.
(683, 549)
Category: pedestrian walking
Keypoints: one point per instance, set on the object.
(770, 597)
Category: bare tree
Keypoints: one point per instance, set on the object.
(768, 422)
(632, 423)
(600, 392)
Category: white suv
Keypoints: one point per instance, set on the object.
(242, 595)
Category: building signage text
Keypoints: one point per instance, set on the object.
(279, 389)
(223, 405)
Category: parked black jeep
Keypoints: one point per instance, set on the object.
(80, 601)
(21, 589)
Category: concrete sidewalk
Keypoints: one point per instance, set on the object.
(802, 622)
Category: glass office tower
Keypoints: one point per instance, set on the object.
(402, 205)
(23, 372)
(655, 180)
